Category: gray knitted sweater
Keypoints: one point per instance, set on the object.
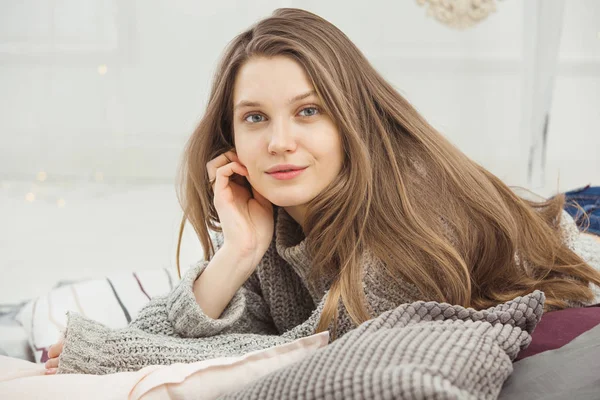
(276, 305)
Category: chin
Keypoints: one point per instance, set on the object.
(288, 199)
(287, 203)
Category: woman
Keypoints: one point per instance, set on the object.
(336, 201)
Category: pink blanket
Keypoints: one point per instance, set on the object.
(208, 379)
(20, 379)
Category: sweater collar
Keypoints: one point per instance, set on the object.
(290, 242)
(291, 245)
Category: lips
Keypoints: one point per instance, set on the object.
(283, 176)
(284, 168)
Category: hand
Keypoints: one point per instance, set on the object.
(246, 216)
(53, 352)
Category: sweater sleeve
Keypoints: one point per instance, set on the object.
(92, 348)
(171, 328)
(179, 314)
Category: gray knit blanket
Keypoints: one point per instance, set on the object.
(421, 350)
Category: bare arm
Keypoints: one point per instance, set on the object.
(224, 275)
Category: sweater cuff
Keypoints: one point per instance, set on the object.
(187, 317)
(84, 344)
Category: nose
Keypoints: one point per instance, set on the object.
(282, 139)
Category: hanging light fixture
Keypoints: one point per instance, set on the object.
(459, 14)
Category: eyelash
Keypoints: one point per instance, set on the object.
(304, 116)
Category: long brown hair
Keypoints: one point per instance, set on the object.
(434, 217)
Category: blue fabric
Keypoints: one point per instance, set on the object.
(588, 198)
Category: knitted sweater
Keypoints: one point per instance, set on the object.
(277, 304)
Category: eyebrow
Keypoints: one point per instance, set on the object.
(246, 103)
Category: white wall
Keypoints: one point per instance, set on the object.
(60, 115)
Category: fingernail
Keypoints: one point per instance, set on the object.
(50, 371)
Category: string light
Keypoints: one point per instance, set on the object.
(41, 176)
(30, 197)
(61, 203)
(102, 69)
(99, 176)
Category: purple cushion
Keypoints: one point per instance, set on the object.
(558, 328)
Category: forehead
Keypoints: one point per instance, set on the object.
(272, 79)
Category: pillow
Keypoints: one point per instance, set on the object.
(114, 301)
(212, 378)
(13, 338)
(558, 328)
(206, 379)
(570, 372)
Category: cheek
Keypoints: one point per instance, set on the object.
(247, 154)
(334, 156)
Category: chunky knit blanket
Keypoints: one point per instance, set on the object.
(422, 350)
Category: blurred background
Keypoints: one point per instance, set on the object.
(98, 98)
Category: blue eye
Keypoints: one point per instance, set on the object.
(254, 118)
(315, 111)
(305, 112)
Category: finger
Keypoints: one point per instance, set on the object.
(225, 172)
(219, 161)
(51, 363)
(56, 349)
(232, 155)
(51, 371)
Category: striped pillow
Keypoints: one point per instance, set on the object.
(114, 301)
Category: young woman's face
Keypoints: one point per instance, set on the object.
(278, 120)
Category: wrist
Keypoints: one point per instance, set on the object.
(217, 284)
(239, 260)
(228, 269)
